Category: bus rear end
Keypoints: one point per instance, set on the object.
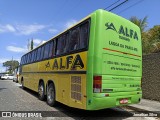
(114, 68)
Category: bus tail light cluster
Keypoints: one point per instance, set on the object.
(97, 84)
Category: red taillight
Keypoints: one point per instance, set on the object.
(97, 84)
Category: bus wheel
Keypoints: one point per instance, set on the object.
(51, 95)
(41, 93)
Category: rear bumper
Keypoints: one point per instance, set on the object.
(108, 102)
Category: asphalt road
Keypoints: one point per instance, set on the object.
(14, 98)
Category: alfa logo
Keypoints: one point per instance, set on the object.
(110, 26)
(71, 62)
(129, 33)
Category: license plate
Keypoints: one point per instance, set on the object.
(123, 101)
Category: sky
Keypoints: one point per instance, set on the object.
(40, 20)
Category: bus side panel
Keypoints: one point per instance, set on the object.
(70, 82)
(71, 90)
(25, 69)
(32, 76)
(71, 87)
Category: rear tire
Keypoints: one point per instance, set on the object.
(51, 96)
(41, 92)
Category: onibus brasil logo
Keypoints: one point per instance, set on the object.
(127, 33)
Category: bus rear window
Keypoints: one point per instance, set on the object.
(84, 35)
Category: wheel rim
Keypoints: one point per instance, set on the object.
(50, 95)
(41, 90)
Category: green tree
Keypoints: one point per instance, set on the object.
(11, 65)
(154, 36)
(151, 40)
(32, 44)
(141, 23)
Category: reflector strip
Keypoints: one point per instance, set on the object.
(121, 52)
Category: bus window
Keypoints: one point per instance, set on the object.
(38, 54)
(32, 58)
(65, 37)
(42, 53)
(46, 51)
(84, 35)
(74, 39)
(24, 59)
(29, 58)
(61, 45)
(51, 49)
(35, 55)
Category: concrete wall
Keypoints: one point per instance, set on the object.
(151, 76)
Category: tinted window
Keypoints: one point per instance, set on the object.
(66, 38)
(21, 60)
(24, 59)
(51, 49)
(38, 54)
(84, 35)
(28, 57)
(32, 56)
(74, 40)
(61, 44)
(46, 50)
(42, 53)
(35, 55)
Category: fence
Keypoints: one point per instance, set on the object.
(151, 76)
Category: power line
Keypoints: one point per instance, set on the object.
(111, 4)
(118, 5)
(131, 6)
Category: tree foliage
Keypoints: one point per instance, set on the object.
(32, 44)
(141, 23)
(150, 38)
(11, 65)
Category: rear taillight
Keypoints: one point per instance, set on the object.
(97, 84)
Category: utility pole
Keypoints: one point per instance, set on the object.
(12, 66)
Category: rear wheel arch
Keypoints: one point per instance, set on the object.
(41, 81)
(21, 79)
(22, 82)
